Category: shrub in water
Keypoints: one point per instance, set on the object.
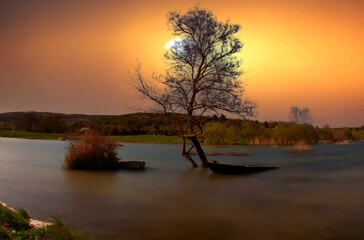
(93, 152)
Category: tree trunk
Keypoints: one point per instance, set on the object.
(199, 150)
(186, 154)
(188, 157)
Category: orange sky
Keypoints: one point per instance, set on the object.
(74, 56)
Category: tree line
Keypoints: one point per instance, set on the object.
(217, 129)
(257, 133)
(128, 124)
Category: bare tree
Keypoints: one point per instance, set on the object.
(202, 78)
(300, 116)
(306, 117)
(294, 115)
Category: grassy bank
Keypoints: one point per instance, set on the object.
(31, 135)
(210, 140)
(120, 138)
(149, 139)
(15, 225)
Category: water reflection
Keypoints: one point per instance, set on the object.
(309, 195)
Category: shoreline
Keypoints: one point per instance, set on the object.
(33, 223)
(157, 139)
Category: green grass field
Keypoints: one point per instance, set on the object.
(31, 135)
(121, 138)
(149, 139)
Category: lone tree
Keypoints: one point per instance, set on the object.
(202, 76)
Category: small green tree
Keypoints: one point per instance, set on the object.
(292, 133)
(253, 131)
(233, 133)
(281, 133)
(216, 133)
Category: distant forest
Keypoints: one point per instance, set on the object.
(217, 129)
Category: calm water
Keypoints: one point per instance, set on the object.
(316, 195)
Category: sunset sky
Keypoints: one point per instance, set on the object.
(74, 56)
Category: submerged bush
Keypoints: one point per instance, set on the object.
(93, 152)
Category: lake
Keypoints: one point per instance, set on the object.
(314, 195)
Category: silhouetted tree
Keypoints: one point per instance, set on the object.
(203, 76)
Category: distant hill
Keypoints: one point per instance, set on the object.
(13, 116)
(135, 123)
(127, 124)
